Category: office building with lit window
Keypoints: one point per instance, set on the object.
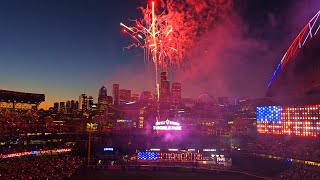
(146, 96)
(164, 87)
(124, 95)
(89, 103)
(176, 92)
(102, 99)
(82, 102)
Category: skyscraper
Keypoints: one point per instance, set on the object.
(164, 76)
(146, 96)
(68, 107)
(72, 106)
(115, 94)
(135, 97)
(176, 92)
(102, 99)
(89, 103)
(124, 95)
(62, 107)
(82, 102)
(164, 87)
(56, 107)
(110, 100)
(76, 105)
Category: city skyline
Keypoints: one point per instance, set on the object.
(63, 49)
(175, 92)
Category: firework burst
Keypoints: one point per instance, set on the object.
(168, 37)
(155, 35)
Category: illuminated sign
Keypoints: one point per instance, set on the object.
(107, 149)
(154, 149)
(147, 155)
(124, 121)
(167, 125)
(173, 149)
(289, 120)
(221, 160)
(209, 150)
(191, 149)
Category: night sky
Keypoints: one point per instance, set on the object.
(64, 48)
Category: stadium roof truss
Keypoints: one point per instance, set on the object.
(19, 100)
(308, 32)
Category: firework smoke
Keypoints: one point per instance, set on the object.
(169, 31)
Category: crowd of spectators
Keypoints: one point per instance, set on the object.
(17, 122)
(40, 167)
(292, 150)
(301, 148)
(10, 149)
(297, 172)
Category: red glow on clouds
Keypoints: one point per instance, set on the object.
(222, 59)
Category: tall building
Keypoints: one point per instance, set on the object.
(146, 96)
(135, 97)
(89, 103)
(124, 95)
(110, 100)
(62, 107)
(176, 92)
(76, 105)
(102, 99)
(115, 94)
(164, 87)
(72, 108)
(56, 107)
(68, 107)
(82, 102)
(164, 76)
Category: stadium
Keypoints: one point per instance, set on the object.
(286, 145)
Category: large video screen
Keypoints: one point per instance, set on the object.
(289, 120)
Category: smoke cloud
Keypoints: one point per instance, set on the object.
(237, 58)
(225, 53)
